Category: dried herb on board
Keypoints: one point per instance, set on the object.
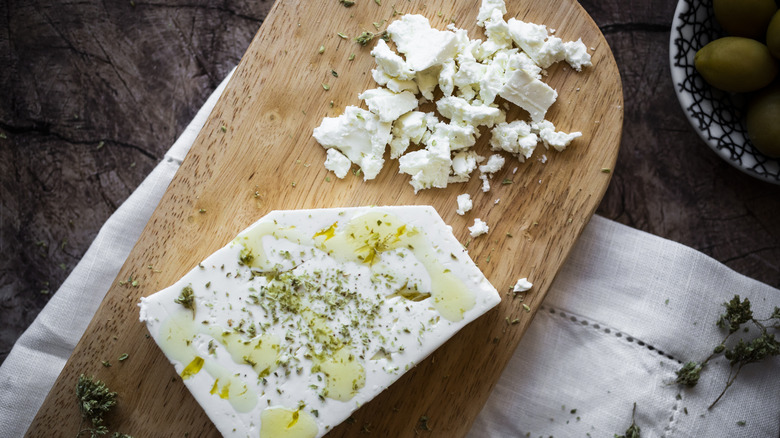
(95, 400)
(366, 37)
(424, 423)
(738, 313)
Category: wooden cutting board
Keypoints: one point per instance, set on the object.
(256, 154)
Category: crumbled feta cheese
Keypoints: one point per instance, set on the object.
(409, 128)
(492, 82)
(497, 32)
(468, 93)
(552, 51)
(576, 54)
(486, 10)
(529, 93)
(463, 163)
(387, 104)
(515, 137)
(358, 134)
(546, 49)
(427, 80)
(393, 84)
(522, 285)
(429, 167)
(464, 204)
(457, 136)
(392, 64)
(485, 182)
(423, 46)
(529, 37)
(479, 228)
(447, 77)
(493, 165)
(550, 137)
(337, 162)
(470, 75)
(462, 112)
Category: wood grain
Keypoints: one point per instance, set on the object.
(265, 159)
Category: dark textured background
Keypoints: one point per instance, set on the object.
(94, 92)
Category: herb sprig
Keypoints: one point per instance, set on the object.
(738, 314)
(633, 430)
(95, 400)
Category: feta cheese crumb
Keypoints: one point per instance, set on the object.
(427, 80)
(522, 285)
(337, 162)
(460, 111)
(358, 134)
(392, 64)
(485, 183)
(529, 93)
(576, 54)
(457, 136)
(447, 77)
(464, 204)
(429, 167)
(479, 228)
(529, 37)
(551, 137)
(407, 129)
(463, 163)
(423, 46)
(486, 10)
(493, 165)
(387, 104)
(515, 137)
(394, 84)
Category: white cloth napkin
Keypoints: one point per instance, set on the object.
(624, 312)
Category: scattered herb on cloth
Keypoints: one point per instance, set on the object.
(739, 314)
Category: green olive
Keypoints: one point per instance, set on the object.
(762, 121)
(745, 18)
(736, 64)
(773, 36)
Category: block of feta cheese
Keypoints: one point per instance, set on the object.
(308, 314)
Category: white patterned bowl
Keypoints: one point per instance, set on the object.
(717, 117)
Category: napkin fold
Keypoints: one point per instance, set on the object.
(625, 311)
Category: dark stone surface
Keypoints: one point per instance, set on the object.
(93, 94)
